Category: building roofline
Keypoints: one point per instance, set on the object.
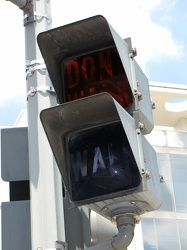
(168, 112)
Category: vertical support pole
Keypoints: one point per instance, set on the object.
(46, 204)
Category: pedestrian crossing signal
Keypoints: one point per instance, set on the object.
(87, 58)
(92, 149)
(95, 133)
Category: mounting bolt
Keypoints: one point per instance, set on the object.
(140, 96)
(161, 179)
(147, 173)
(138, 93)
(133, 52)
(153, 105)
(141, 126)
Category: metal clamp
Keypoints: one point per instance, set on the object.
(33, 65)
(32, 16)
(44, 89)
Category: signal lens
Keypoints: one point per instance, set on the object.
(101, 162)
(97, 72)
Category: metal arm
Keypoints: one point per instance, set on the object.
(125, 224)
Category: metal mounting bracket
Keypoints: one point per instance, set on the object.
(33, 16)
(33, 65)
(44, 89)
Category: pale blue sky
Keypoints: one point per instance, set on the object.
(157, 28)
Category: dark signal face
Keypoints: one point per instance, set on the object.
(94, 73)
(101, 162)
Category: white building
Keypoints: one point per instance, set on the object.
(166, 229)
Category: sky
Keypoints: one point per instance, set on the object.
(157, 29)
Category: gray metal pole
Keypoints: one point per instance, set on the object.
(47, 225)
(46, 203)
